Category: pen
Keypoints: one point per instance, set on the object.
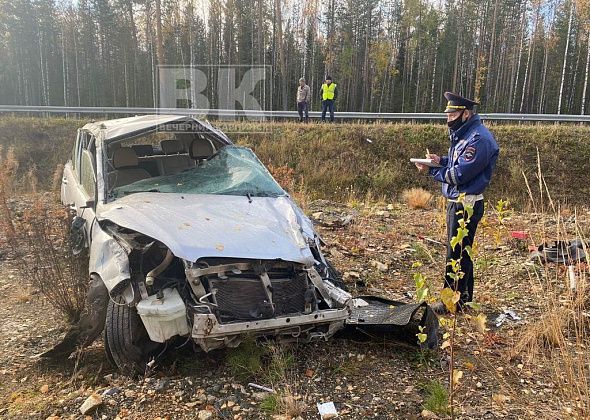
(427, 152)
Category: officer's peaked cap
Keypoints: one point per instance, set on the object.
(458, 103)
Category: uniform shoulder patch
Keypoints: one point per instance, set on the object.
(469, 153)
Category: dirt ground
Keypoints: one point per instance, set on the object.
(374, 246)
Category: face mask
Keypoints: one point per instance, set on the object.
(456, 123)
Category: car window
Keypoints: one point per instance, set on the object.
(233, 170)
(87, 177)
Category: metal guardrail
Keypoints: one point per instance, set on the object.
(259, 114)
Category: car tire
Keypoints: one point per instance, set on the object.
(126, 340)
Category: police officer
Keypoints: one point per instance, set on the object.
(466, 170)
(328, 94)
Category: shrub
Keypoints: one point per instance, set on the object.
(417, 198)
(39, 240)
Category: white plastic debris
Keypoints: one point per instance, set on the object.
(263, 388)
(507, 315)
(327, 410)
(571, 275)
(359, 303)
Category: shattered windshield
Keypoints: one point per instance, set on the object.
(233, 170)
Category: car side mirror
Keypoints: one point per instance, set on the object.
(77, 236)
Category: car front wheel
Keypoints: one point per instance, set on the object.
(126, 340)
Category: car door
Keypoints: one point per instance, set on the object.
(83, 197)
(69, 181)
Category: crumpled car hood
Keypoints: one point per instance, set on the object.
(196, 226)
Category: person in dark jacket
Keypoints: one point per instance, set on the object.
(467, 169)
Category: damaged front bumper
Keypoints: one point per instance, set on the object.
(210, 334)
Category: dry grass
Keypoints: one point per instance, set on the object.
(32, 179)
(560, 338)
(328, 163)
(56, 178)
(24, 296)
(38, 238)
(279, 373)
(285, 176)
(417, 198)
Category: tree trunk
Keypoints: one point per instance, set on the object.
(567, 44)
(583, 108)
(526, 73)
(513, 93)
(281, 47)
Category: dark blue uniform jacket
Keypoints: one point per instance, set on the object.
(472, 158)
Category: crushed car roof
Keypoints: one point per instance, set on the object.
(112, 129)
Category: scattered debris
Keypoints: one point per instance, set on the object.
(263, 388)
(327, 410)
(562, 252)
(110, 391)
(519, 234)
(507, 315)
(332, 215)
(571, 276)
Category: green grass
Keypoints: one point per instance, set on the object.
(436, 398)
(271, 403)
(421, 252)
(245, 361)
(425, 358)
(276, 368)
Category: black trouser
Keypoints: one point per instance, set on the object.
(328, 104)
(303, 108)
(465, 284)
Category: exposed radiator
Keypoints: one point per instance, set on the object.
(240, 298)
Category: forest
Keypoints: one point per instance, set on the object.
(514, 56)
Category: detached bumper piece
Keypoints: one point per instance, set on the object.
(562, 252)
(375, 316)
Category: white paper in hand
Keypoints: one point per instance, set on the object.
(427, 162)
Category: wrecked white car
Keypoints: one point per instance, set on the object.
(189, 235)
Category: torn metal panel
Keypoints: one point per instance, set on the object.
(196, 226)
(108, 258)
(334, 296)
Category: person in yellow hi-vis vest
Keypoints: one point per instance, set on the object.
(328, 94)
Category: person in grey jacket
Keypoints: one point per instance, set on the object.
(303, 99)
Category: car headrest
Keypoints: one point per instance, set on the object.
(171, 147)
(111, 148)
(201, 148)
(124, 157)
(143, 149)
